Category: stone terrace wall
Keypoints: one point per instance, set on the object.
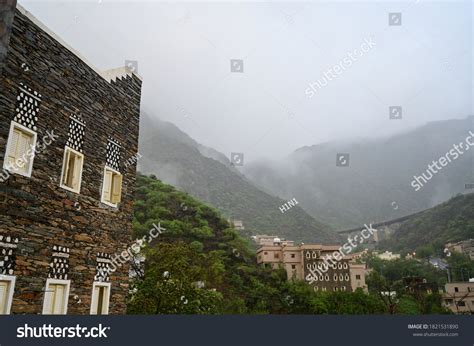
(36, 210)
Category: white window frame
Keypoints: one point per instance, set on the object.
(10, 136)
(11, 279)
(66, 149)
(107, 296)
(66, 283)
(113, 205)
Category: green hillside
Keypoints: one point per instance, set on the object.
(198, 265)
(177, 159)
(429, 231)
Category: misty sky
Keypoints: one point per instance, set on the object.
(184, 51)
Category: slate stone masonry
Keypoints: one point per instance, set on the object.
(59, 233)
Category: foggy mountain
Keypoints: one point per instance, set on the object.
(177, 159)
(376, 186)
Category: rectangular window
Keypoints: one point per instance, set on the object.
(71, 175)
(100, 298)
(112, 187)
(292, 255)
(20, 153)
(7, 284)
(357, 277)
(456, 289)
(56, 297)
(461, 303)
(275, 255)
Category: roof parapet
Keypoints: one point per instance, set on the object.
(108, 75)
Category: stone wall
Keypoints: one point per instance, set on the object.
(37, 210)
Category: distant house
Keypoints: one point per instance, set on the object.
(387, 256)
(459, 297)
(464, 247)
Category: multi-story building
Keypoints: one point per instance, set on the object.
(309, 263)
(65, 196)
(459, 297)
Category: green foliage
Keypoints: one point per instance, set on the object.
(387, 276)
(461, 267)
(199, 265)
(428, 232)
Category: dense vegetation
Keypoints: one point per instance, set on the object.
(208, 176)
(428, 232)
(388, 276)
(199, 265)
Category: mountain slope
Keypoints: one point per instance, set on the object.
(448, 222)
(376, 186)
(178, 160)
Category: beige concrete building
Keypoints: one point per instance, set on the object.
(311, 263)
(459, 297)
(465, 247)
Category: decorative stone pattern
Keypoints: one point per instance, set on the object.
(8, 246)
(102, 268)
(113, 154)
(27, 108)
(75, 138)
(333, 277)
(59, 266)
(37, 210)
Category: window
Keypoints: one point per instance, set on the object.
(346, 277)
(112, 187)
(335, 277)
(461, 303)
(357, 277)
(292, 255)
(20, 153)
(293, 266)
(56, 297)
(7, 284)
(100, 298)
(276, 255)
(456, 289)
(345, 265)
(71, 175)
(265, 253)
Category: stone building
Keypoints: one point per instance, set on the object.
(309, 262)
(65, 195)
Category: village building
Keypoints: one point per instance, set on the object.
(66, 196)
